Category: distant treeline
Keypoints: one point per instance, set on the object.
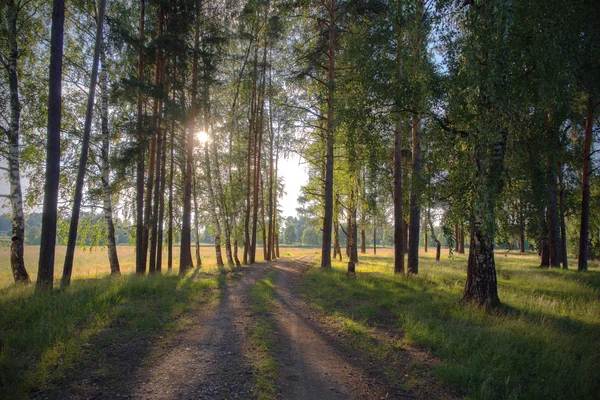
(91, 233)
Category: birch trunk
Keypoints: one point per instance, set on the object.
(161, 202)
(108, 214)
(258, 160)
(482, 287)
(196, 222)
(45, 277)
(438, 245)
(328, 217)
(336, 239)
(398, 221)
(72, 241)
(223, 203)
(275, 218)
(563, 229)
(213, 207)
(233, 208)
(155, 145)
(249, 164)
(262, 216)
(186, 256)
(155, 203)
(17, 261)
(140, 257)
(171, 167)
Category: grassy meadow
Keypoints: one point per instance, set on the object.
(93, 263)
(543, 344)
(46, 336)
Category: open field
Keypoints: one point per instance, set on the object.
(543, 343)
(93, 263)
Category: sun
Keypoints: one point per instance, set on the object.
(202, 136)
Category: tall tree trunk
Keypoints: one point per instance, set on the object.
(161, 203)
(438, 245)
(425, 236)
(196, 220)
(17, 261)
(348, 234)
(233, 207)
(363, 242)
(354, 252)
(72, 241)
(275, 217)
(415, 199)
(456, 237)
(248, 190)
(399, 237)
(584, 227)
(554, 244)
(45, 277)
(223, 202)
(521, 229)
(545, 253)
(406, 236)
(563, 229)
(234, 211)
(171, 167)
(108, 214)
(186, 254)
(336, 239)
(461, 239)
(213, 207)
(153, 188)
(235, 243)
(140, 256)
(270, 250)
(328, 217)
(262, 216)
(155, 204)
(374, 240)
(398, 221)
(352, 236)
(163, 170)
(148, 197)
(252, 138)
(258, 157)
(482, 287)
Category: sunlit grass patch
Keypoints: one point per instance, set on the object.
(262, 337)
(93, 263)
(43, 336)
(543, 343)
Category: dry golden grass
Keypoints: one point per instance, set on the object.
(93, 263)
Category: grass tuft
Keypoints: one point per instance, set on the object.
(543, 343)
(45, 336)
(262, 336)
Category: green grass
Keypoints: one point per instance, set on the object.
(544, 343)
(262, 336)
(44, 337)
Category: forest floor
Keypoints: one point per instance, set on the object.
(286, 330)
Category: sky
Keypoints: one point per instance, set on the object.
(293, 173)
(294, 177)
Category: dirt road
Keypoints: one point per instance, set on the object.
(210, 357)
